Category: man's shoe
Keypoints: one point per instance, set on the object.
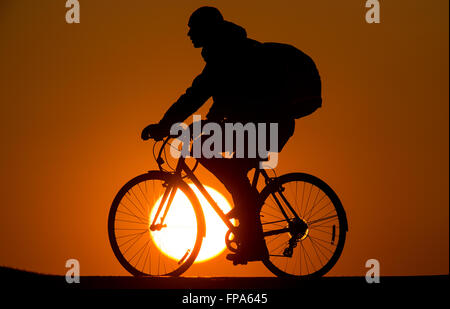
(236, 258)
(245, 256)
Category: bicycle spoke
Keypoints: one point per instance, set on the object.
(307, 201)
(137, 237)
(273, 239)
(138, 200)
(285, 266)
(274, 206)
(312, 204)
(134, 204)
(295, 266)
(319, 244)
(303, 194)
(312, 215)
(145, 252)
(304, 250)
(315, 199)
(145, 197)
(318, 248)
(128, 235)
(315, 204)
(142, 254)
(315, 251)
(296, 187)
(121, 220)
(281, 245)
(272, 222)
(137, 252)
(143, 220)
(322, 222)
(131, 229)
(321, 231)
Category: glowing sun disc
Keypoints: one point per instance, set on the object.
(179, 236)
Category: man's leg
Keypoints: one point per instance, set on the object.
(233, 174)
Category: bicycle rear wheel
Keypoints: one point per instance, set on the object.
(171, 248)
(304, 226)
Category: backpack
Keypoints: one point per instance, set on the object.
(293, 80)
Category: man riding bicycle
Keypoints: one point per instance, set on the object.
(235, 77)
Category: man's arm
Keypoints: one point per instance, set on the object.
(189, 102)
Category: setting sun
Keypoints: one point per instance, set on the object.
(181, 226)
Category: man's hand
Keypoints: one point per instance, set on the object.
(155, 131)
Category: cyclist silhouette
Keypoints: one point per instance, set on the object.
(234, 77)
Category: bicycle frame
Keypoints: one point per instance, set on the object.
(169, 195)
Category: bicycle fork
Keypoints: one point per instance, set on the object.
(169, 194)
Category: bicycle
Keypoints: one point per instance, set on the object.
(313, 225)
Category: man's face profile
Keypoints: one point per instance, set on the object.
(196, 36)
(202, 25)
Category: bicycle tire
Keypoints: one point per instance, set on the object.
(180, 184)
(273, 187)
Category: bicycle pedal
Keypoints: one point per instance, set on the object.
(235, 263)
(236, 260)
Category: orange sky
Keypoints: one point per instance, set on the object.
(74, 99)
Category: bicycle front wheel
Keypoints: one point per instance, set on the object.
(304, 226)
(166, 249)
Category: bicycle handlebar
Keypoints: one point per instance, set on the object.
(159, 158)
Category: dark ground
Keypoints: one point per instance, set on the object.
(401, 290)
